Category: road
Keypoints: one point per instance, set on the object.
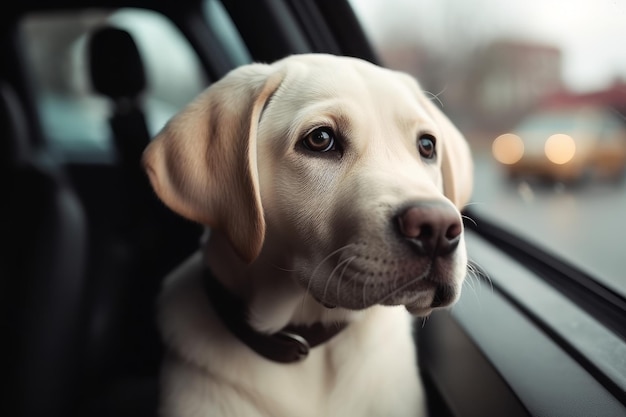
(585, 225)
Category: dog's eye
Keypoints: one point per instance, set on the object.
(426, 146)
(321, 139)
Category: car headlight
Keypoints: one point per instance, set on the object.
(508, 148)
(560, 148)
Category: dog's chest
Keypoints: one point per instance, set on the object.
(369, 369)
(354, 379)
(359, 374)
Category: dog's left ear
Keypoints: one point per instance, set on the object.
(457, 166)
(203, 164)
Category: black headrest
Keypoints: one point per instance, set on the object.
(116, 67)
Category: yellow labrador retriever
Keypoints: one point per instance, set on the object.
(332, 190)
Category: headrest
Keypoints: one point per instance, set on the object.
(116, 67)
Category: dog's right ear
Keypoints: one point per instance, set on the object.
(203, 164)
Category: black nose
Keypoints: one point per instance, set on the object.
(432, 229)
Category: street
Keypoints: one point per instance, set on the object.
(585, 225)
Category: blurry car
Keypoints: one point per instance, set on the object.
(565, 145)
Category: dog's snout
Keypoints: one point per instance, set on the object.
(431, 229)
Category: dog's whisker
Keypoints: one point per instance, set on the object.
(314, 273)
(478, 273)
(343, 271)
(470, 219)
(435, 97)
(280, 268)
(305, 297)
(470, 278)
(472, 282)
(343, 263)
(481, 274)
(330, 255)
(474, 203)
(469, 281)
(365, 286)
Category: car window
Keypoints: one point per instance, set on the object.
(75, 118)
(535, 86)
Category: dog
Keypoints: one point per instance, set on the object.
(331, 188)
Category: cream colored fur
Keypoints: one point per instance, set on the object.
(293, 230)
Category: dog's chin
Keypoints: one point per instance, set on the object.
(423, 302)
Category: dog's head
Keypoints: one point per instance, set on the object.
(342, 172)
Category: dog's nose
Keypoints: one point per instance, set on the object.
(432, 229)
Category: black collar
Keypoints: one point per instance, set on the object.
(291, 344)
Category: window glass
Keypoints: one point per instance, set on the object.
(75, 118)
(539, 90)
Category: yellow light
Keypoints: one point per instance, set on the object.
(508, 148)
(560, 148)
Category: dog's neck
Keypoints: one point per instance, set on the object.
(273, 298)
(291, 344)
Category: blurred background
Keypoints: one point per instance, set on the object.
(539, 89)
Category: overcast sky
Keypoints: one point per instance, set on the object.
(591, 33)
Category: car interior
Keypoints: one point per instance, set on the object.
(86, 243)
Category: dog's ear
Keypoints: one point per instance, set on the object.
(456, 165)
(203, 164)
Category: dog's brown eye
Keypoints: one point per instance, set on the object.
(320, 140)
(426, 146)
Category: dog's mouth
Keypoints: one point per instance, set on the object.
(420, 295)
(423, 296)
(443, 296)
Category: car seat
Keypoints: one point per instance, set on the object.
(42, 261)
(128, 259)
